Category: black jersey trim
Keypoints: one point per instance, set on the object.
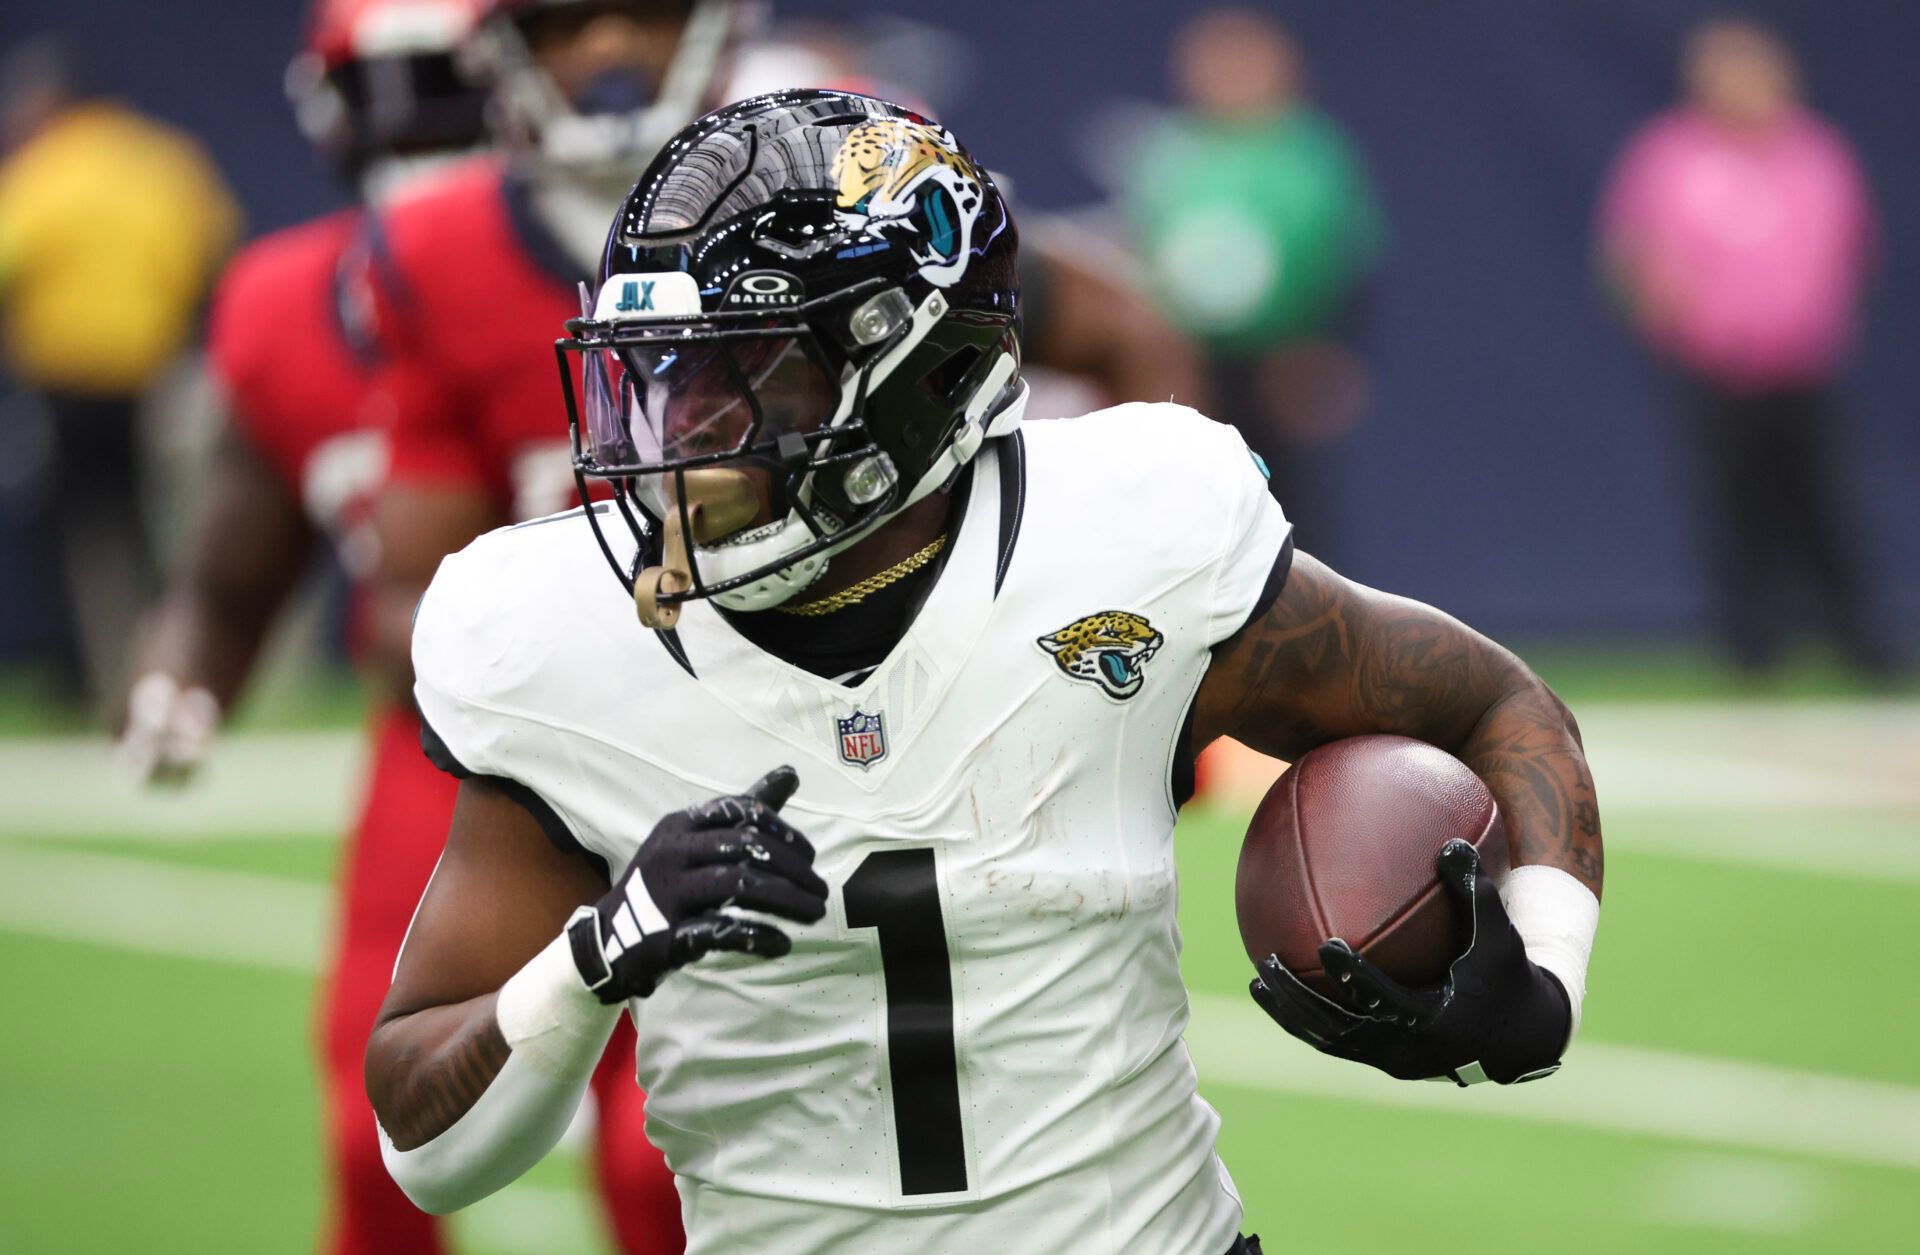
(439, 755)
(1182, 782)
(1275, 585)
(554, 827)
(1181, 777)
(670, 641)
(542, 248)
(1013, 501)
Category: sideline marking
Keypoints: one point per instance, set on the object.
(1738, 1193)
(242, 918)
(268, 784)
(1619, 1089)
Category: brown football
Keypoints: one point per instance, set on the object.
(1344, 845)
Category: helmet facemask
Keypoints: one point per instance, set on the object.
(690, 416)
(808, 302)
(597, 140)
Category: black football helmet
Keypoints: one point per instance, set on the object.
(815, 285)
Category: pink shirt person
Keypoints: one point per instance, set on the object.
(1745, 250)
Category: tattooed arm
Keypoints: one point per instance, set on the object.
(1333, 659)
(499, 896)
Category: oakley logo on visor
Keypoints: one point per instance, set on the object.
(764, 289)
(624, 298)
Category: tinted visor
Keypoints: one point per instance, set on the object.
(650, 404)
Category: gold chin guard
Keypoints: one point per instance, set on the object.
(719, 503)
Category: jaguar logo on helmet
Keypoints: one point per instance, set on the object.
(897, 176)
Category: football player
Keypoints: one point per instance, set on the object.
(841, 747)
(293, 351)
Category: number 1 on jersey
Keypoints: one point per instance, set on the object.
(895, 892)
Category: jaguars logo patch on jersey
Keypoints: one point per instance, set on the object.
(1110, 649)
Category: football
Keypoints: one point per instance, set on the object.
(1343, 845)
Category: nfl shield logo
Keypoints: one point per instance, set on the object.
(863, 739)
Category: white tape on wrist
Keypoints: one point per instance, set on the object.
(1556, 917)
(550, 1018)
(557, 1030)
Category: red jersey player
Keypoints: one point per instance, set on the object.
(295, 355)
(486, 263)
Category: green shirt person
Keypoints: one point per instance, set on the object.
(1256, 230)
(1258, 227)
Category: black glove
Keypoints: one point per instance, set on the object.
(1498, 1017)
(668, 907)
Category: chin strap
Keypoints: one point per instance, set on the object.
(718, 503)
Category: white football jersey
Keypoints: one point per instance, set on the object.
(979, 1048)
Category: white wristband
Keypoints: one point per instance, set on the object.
(557, 1030)
(1556, 917)
(550, 1018)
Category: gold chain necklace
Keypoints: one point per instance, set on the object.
(868, 587)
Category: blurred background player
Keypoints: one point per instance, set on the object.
(294, 355)
(486, 264)
(1255, 218)
(490, 260)
(1737, 229)
(78, 252)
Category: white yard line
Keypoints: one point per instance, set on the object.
(266, 922)
(1738, 1193)
(1619, 1089)
(163, 908)
(1891, 857)
(1801, 757)
(537, 1219)
(258, 785)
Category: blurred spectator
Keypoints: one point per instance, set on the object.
(1736, 228)
(111, 228)
(1259, 227)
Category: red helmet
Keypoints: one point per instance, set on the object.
(381, 79)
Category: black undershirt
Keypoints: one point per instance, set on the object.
(849, 643)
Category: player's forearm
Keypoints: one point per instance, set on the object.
(1527, 748)
(209, 641)
(249, 551)
(427, 1069)
(1382, 663)
(472, 1094)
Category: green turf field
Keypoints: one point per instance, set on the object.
(1748, 1078)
